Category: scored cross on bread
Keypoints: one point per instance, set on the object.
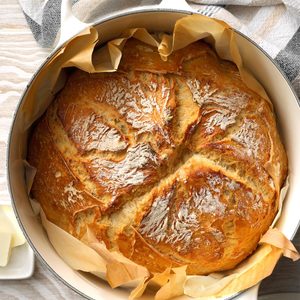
(171, 163)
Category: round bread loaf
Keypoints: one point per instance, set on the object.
(171, 163)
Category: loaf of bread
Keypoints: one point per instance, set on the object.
(171, 163)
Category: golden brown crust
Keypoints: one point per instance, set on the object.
(172, 163)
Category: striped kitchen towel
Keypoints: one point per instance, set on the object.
(273, 24)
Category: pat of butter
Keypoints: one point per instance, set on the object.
(9, 224)
(5, 247)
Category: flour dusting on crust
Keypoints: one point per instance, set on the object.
(73, 195)
(129, 171)
(159, 226)
(224, 109)
(208, 203)
(138, 107)
(220, 119)
(91, 134)
(177, 228)
(155, 224)
(207, 199)
(199, 93)
(247, 137)
(184, 223)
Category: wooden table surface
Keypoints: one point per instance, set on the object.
(20, 56)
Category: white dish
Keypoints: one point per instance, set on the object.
(21, 262)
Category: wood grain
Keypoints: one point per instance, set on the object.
(20, 56)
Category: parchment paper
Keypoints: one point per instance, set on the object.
(89, 254)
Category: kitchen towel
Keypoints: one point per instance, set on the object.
(272, 24)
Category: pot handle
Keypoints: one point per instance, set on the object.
(250, 294)
(178, 4)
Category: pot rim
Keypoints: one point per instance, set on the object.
(102, 20)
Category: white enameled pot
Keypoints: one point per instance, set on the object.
(155, 18)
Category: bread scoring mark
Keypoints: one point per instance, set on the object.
(91, 134)
(128, 172)
(138, 109)
(229, 106)
(247, 137)
(73, 195)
